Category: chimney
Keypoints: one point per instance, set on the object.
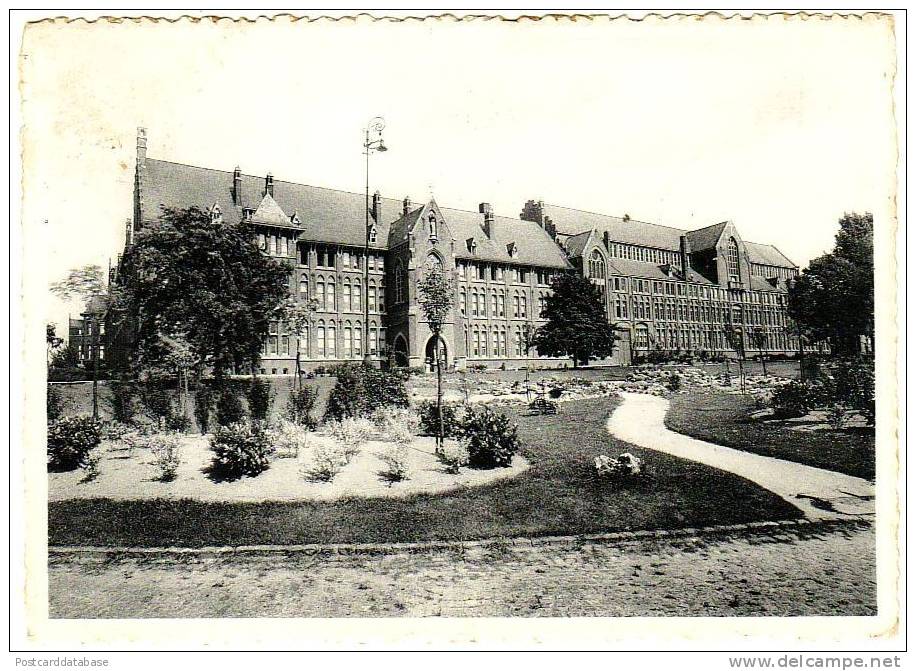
(626, 217)
(550, 227)
(533, 211)
(141, 144)
(269, 185)
(685, 255)
(607, 241)
(237, 186)
(489, 225)
(407, 206)
(377, 207)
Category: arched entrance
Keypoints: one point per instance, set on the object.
(401, 353)
(435, 347)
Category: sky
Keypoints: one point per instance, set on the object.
(780, 125)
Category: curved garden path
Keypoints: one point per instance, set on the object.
(819, 493)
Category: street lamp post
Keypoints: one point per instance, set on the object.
(373, 142)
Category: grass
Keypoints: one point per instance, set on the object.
(558, 495)
(725, 419)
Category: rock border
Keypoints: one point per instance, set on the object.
(350, 549)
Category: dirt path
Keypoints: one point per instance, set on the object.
(819, 493)
(789, 572)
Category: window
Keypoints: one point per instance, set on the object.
(516, 306)
(523, 309)
(358, 340)
(304, 285)
(731, 257)
(373, 297)
(433, 262)
(332, 340)
(475, 304)
(596, 266)
(322, 351)
(330, 298)
(483, 342)
(381, 295)
(463, 302)
(503, 347)
(347, 338)
(320, 295)
(399, 282)
(502, 304)
(346, 295)
(357, 293)
(494, 305)
(373, 338)
(495, 342)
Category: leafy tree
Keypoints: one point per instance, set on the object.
(52, 341)
(206, 280)
(297, 315)
(436, 295)
(834, 298)
(577, 325)
(88, 284)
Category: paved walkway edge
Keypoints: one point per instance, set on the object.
(621, 537)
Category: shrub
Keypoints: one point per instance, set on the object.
(323, 463)
(555, 392)
(240, 449)
(855, 386)
(260, 398)
(56, 403)
(288, 439)
(396, 424)
(113, 430)
(491, 439)
(793, 399)
(395, 459)
(429, 419)
(229, 408)
(91, 464)
(351, 433)
(166, 449)
(299, 406)
(673, 382)
(122, 401)
(361, 389)
(204, 399)
(70, 440)
(454, 456)
(836, 415)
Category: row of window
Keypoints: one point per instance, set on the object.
(496, 272)
(473, 303)
(762, 270)
(351, 294)
(642, 307)
(331, 339)
(481, 342)
(696, 338)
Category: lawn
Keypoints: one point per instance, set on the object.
(725, 419)
(557, 495)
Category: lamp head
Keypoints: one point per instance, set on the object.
(381, 145)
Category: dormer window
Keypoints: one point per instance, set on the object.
(373, 235)
(295, 220)
(472, 245)
(216, 215)
(433, 227)
(247, 213)
(512, 248)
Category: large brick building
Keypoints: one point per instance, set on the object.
(664, 288)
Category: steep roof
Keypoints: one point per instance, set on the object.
(767, 255)
(534, 246)
(651, 271)
(576, 244)
(706, 237)
(327, 215)
(629, 231)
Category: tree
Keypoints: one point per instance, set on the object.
(436, 296)
(204, 279)
(298, 316)
(759, 340)
(577, 325)
(52, 341)
(88, 284)
(834, 298)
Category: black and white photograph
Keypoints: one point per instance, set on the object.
(388, 329)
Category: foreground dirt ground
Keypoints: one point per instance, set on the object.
(785, 573)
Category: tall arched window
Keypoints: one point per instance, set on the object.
(322, 349)
(494, 304)
(399, 282)
(433, 262)
(463, 302)
(358, 339)
(734, 271)
(596, 266)
(319, 294)
(331, 296)
(347, 340)
(304, 285)
(332, 341)
(357, 301)
(373, 304)
(346, 295)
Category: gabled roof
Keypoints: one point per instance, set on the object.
(327, 215)
(762, 284)
(650, 271)
(401, 227)
(576, 244)
(534, 246)
(629, 231)
(707, 237)
(269, 212)
(767, 255)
